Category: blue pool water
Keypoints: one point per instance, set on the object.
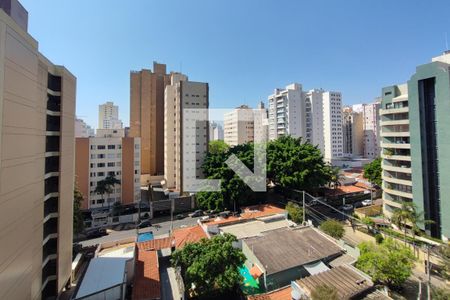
(143, 237)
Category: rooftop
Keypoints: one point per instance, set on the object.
(287, 248)
(146, 283)
(280, 294)
(187, 235)
(348, 281)
(254, 228)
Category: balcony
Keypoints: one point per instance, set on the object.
(50, 227)
(392, 191)
(48, 270)
(396, 145)
(52, 144)
(53, 123)
(394, 111)
(51, 185)
(393, 179)
(54, 103)
(50, 248)
(51, 206)
(402, 169)
(51, 164)
(395, 134)
(394, 122)
(54, 83)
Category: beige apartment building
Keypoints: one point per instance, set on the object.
(353, 132)
(147, 116)
(108, 153)
(37, 117)
(239, 126)
(179, 153)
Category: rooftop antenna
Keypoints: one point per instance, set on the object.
(446, 42)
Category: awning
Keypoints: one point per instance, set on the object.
(255, 271)
(316, 268)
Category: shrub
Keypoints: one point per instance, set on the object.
(379, 238)
(333, 228)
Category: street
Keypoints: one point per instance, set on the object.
(162, 228)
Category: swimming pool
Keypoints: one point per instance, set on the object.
(143, 237)
(250, 285)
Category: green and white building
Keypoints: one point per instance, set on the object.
(415, 143)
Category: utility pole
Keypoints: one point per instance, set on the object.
(172, 204)
(428, 274)
(304, 208)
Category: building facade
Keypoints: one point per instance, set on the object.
(108, 116)
(109, 153)
(371, 128)
(82, 129)
(180, 153)
(215, 132)
(332, 125)
(147, 116)
(353, 133)
(286, 107)
(239, 126)
(37, 104)
(415, 147)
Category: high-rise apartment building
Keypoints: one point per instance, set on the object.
(108, 153)
(314, 118)
(286, 107)
(147, 116)
(82, 129)
(181, 153)
(353, 133)
(332, 125)
(108, 116)
(37, 103)
(415, 144)
(371, 128)
(215, 132)
(239, 126)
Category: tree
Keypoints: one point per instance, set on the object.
(335, 176)
(372, 171)
(444, 251)
(368, 222)
(388, 263)
(297, 165)
(211, 265)
(295, 212)
(324, 292)
(210, 200)
(78, 222)
(333, 228)
(105, 186)
(218, 147)
(440, 293)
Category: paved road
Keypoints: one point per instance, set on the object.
(162, 228)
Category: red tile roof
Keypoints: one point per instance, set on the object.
(156, 244)
(255, 271)
(280, 294)
(186, 235)
(146, 285)
(344, 190)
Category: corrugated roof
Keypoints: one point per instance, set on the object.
(156, 244)
(146, 285)
(346, 279)
(286, 248)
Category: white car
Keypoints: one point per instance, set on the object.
(367, 202)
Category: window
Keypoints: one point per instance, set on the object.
(136, 146)
(101, 147)
(101, 174)
(100, 155)
(110, 147)
(111, 164)
(100, 165)
(92, 165)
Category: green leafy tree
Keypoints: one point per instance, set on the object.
(219, 147)
(440, 293)
(444, 251)
(210, 201)
(388, 263)
(324, 292)
(210, 267)
(368, 222)
(372, 171)
(335, 176)
(105, 186)
(78, 223)
(295, 212)
(333, 228)
(293, 164)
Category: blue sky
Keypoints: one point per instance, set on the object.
(244, 49)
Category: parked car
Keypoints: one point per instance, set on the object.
(224, 214)
(145, 223)
(346, 207)
(197, 213)
(367, 202)
(95, 233)
(180, 216)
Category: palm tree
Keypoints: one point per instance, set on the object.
(401, 216)
(101, 189)
(335, 177)
(110, 182)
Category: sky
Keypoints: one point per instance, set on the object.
(243, 49)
